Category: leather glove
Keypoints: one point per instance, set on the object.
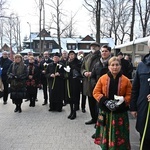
(111, 105)
(119, 99)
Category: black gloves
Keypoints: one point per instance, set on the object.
(111, 105)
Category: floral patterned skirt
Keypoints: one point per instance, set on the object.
(115, 134)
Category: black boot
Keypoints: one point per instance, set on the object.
(19, 108)
(33, 103)
(71, 111)
(30, 105)
(73, 115)
(16, 109)
(74, 112)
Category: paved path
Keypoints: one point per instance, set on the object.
(38, 129)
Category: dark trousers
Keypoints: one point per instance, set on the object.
(44, 83)
(146, 143)
(83, 101)
(5, 96)
(93, 108)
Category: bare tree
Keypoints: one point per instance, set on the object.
(12, 30)
(115, 16)
(70, 30)
(2, 17)
(95, 8)
(57, 21)
(133, 20)
(143, 8)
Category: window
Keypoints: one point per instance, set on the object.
(73, 47)
(140, 47)
(87, 47)
(128, 48)
(50, 46)
(69, 46)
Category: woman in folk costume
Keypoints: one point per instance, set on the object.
(32, 80)
(55, 76)
(113, 93)
(17, 74)
(72, 83)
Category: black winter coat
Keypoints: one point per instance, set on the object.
(74, 81)
(43, 67)
(5, 64)
(97, 72)
(140, 90)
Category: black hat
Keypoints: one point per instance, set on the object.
(95, 44)
(120, 53)
(57, 54)
(71, 52)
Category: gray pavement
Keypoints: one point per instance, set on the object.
(38, 129)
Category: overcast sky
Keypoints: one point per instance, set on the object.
(27, 10)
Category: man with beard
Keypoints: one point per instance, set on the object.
(43, 66)
(5, 62)
(88, 63)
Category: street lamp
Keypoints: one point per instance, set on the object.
(30, 34)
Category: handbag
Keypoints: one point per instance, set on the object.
(76, 74)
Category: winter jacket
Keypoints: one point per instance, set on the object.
(97, 72)
(5, 64)
(140, 90)
(104, 88)
(88, 63)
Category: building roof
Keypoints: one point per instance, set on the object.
(136, 41)
(26, 51)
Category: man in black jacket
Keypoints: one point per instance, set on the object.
(125, 66)
(5, 62)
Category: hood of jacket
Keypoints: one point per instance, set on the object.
(146, 60)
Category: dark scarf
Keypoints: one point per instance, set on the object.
(113, 87)
(31, 68)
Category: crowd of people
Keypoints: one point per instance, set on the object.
(99, 77)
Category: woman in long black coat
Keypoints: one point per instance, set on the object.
(72, 83)
(17, 75)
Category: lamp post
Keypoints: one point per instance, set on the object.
(30, 34)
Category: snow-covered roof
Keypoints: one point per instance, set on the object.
(26, 51)
(136, 41)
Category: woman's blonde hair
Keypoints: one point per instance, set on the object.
(31, 57)
(114, 58)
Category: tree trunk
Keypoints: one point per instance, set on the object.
(133, 20)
